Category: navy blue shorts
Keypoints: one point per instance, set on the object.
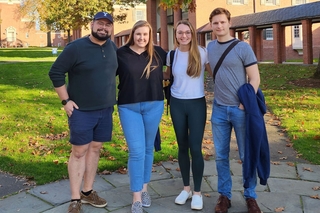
(87, 126)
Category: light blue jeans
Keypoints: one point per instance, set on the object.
(223, 119)
(140, 122)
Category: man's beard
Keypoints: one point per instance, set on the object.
(100, 38)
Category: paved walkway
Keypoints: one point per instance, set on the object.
(293, 186)
(289, 187)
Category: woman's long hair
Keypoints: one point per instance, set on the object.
(194, 60)
(150, 49)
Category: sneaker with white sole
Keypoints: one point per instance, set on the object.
(93, 199)
(197, 202)
(183, 197)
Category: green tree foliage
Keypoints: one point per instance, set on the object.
(175, 4)
(67, 14)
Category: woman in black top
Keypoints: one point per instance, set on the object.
(140, 105)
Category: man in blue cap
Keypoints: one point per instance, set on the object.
(88, 99)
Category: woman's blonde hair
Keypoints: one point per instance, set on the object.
(194, 60)
(150, 49)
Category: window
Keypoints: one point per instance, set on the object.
(27, 35)
(270, 2)
(296, 2)
(139, 15)
(237, 2)
(269, 33)
(209, 37)
(296, 31)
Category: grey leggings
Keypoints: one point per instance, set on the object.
(189, 119)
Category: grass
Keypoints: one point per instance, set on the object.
(33, 125)
(298, 108)
(34, 132)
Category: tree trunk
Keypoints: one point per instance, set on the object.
(317, 73)
(69, 36)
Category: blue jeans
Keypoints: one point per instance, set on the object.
(223, 119)
(140, 122)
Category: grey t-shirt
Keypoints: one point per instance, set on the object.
(231, 74)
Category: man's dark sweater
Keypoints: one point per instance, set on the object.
(91, 72)
(256, 154)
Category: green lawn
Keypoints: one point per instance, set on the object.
(34, 132)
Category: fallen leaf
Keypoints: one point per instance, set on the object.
(307, 169)
(279, 152)
(106, 172)
(290, 164)
(283, 158)
(275, 163)
(315, 196)
(55, 161)
(43, 192)
(207, 195)
(122, 170)
(279, 209)
(315, 188)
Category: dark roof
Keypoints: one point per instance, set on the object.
(205, 28)
(286, 16)
(123, 33)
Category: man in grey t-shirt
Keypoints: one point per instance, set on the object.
(239, 67)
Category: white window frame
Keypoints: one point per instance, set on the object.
(269, 34)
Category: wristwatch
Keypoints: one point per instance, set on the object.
(64, 102)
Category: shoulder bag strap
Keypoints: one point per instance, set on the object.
(171, 63)
(216, 68)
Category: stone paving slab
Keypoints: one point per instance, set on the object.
(310, 205)
(23, 202)
(283, 170)
(297, 187)
(309, 172)
(50, 193)
(269, 202)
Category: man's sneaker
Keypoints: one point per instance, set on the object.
(252, 206)
(197, 202)
(74, 207)
(93, 199)
(223, 204)
(183, 197)
(145, 199)
(136, 207)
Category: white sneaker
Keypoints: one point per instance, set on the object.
(197, 202)
(183, 197)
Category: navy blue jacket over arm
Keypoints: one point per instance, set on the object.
(257, 154)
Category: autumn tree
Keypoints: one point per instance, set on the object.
(67, 14)
(70, 15)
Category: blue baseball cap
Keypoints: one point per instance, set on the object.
(103, 15)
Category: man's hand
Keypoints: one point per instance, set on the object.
(69, 107)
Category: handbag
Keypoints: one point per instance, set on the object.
(216, 68)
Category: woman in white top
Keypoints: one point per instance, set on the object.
(188, 108)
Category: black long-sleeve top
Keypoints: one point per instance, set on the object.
(91, 72)
(132, 87)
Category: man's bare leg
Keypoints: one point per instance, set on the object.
(76, 169)
(91, 165)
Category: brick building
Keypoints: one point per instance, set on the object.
(13, 30)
